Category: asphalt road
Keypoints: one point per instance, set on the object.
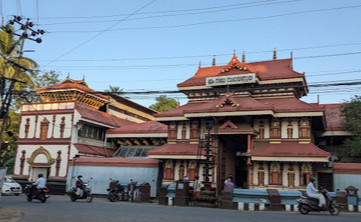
(60, 208)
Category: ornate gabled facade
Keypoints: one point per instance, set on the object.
(261, 132)
(71, 122)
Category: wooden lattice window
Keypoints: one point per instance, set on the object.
(306, 172)
(276, 129)
(192, 171)
(181, 171)
(289, 130)
(305, 129)
(261, 130)
(169, 170)
(172, 130)
(275, 174)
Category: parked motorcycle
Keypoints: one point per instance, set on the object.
(86, 193)
(117, 192)
(32, 192)
(307, 204)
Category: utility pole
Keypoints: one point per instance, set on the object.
(10, 82)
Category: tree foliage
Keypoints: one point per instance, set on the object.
(164, 104)
(351, 111)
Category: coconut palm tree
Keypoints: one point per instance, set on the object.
(16, 72)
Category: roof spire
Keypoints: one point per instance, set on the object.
(243, 57)
(214, 60)
(274, 54)
(68, 76)
(200, 64)
(234, 52)
(291, 65)
(83, 77)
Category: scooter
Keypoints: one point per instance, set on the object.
(117, 193)
(86, 193)
(307, 204)
(32, 192)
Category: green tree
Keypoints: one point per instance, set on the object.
(351, 111)
(164, 104)
(113, 89)
(16, 72)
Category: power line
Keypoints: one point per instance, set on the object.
(107, 67)
(209, 55)
(183, 14)
(219, 21)
(101, 32)
(157, 12)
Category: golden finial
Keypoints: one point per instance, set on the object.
(200, 64)
(214, 61)
(243, 57)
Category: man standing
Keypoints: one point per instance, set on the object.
(313, 192)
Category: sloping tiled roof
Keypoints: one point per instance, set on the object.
(116, 162)
(93, 150)
(288, 104)
(140, 128)
(100, 117)
(334, 119)
(288, 149)
(266, 70)
(71, 85)
(347, 168)
(175, 149)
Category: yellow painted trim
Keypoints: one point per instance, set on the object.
(40, 150)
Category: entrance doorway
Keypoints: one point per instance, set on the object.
(233, 159)
(325, 180)
(35, 172)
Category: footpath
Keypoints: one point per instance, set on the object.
(10, 215)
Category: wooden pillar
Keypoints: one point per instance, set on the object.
(248, 143)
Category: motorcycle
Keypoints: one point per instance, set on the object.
(307, 204)
(86, 193)
(32, 192)
(117, 193)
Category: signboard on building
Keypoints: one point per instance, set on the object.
(231, 80)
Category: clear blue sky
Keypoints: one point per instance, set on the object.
(154, 45)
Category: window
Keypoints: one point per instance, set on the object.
(275, 174)
(92, 132)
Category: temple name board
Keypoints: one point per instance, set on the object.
(231, 80)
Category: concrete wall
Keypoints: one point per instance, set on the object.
(341, 181)
(100, 177)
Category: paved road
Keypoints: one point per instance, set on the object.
(60, 208)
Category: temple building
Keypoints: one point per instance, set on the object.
(262, 134)
(71, 122)
(242, 119)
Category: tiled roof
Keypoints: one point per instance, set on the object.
(92, 150)
(288, 104)
(116, 162)
(175, 149)
(274, 69)
(140, 128)
(287, 149)
(100, 117)
(347, 168)
(334, 119)
(74, 85)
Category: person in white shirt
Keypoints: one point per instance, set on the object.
(313, 192)
(39, 183)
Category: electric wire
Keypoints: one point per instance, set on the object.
(215, 22)
(101, 32)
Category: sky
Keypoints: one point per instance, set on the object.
(152, 45)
